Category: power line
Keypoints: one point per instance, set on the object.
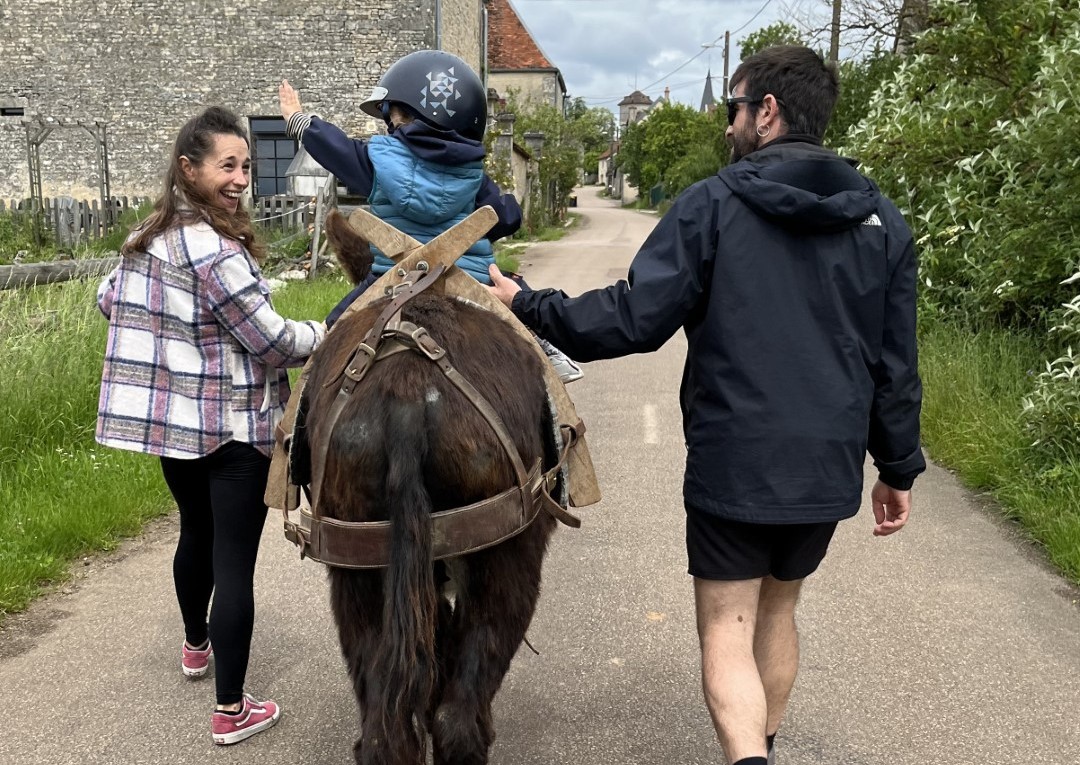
(696, 56)
(744, 26)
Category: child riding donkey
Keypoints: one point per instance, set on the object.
(427, 173)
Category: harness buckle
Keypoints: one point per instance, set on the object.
(426, 344)
(359, 362)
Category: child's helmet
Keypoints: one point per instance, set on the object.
(438, 86)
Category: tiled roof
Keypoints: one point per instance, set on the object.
(510, 46)
(637, 97)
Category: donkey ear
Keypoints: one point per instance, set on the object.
(353, 251)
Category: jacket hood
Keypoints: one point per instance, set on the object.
(803, 187)
(444, 147)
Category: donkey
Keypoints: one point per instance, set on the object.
(427, 643)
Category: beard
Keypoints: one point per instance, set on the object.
(744, 143)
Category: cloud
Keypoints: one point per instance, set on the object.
(606, 49)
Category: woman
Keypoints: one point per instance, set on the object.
(194, 373)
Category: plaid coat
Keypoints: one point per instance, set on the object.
(196, 353)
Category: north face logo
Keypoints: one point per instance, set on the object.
(873, 220)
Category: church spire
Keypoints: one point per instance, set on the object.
(708, 103)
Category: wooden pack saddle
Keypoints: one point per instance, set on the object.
(455, 532)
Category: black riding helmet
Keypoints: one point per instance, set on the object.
(439, 87)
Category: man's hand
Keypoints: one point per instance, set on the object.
(501, 288)
(288, 99)
(891, 508)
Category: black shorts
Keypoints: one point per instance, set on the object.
(731, 550)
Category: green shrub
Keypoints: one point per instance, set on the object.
(974, 137)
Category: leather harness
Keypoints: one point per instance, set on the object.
(366, 544)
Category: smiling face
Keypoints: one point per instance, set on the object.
(224, 172)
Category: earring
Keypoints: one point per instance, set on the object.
(766, 133)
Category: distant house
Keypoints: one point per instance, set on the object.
(515, 60)
(634, 108)
(605, 169)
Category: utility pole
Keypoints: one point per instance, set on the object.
(727, 53)
(834, 45)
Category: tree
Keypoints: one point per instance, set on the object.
(866, 25)
(779, 33)
(573, 140)
(676, 146)
(974, 136)
(860, 80)
(593, 128)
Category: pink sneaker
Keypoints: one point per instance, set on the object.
(253, 717)
(194, 663)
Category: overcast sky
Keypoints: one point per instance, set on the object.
(606, 49)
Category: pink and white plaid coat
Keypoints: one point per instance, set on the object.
(196, 354)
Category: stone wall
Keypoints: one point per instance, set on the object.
(146, 66)
(462, 30)
(539, 87)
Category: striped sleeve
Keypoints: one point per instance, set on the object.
(297, 124)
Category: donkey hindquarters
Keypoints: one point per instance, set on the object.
(409, 444)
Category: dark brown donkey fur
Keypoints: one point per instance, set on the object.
(409, 444)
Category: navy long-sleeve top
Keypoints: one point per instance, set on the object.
(347, 158)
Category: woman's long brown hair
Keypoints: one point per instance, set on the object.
(195, 140)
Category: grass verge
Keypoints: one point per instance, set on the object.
(62, 496)
(971, 423)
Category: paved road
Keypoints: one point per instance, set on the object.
(949, 643)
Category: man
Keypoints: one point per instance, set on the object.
(794, 280)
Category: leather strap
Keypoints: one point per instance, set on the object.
(358, 364)
(459, 531)
(363, 545)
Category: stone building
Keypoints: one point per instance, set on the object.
(634, 108)
(515, 61)
(145, 66)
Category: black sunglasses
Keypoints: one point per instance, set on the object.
(732, 106)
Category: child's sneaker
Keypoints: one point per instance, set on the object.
(567, 370)
(193, 661)
(253, 717)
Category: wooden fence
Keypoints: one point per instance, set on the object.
(73, 221)
(70, 221)
(284, 211)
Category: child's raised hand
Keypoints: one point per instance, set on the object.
(288, 99)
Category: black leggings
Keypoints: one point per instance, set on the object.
(220, 497)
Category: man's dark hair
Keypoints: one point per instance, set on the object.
(804, 84)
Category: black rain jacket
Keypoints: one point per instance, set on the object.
(794, 280)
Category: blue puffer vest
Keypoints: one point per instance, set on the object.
(424, 199)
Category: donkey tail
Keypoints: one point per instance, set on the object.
(407, 652)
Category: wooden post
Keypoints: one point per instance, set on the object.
(834, 42)
(320, 216)
(52, 272)
(727, 55)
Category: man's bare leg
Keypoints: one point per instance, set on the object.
(776, 645)
(726, 617)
